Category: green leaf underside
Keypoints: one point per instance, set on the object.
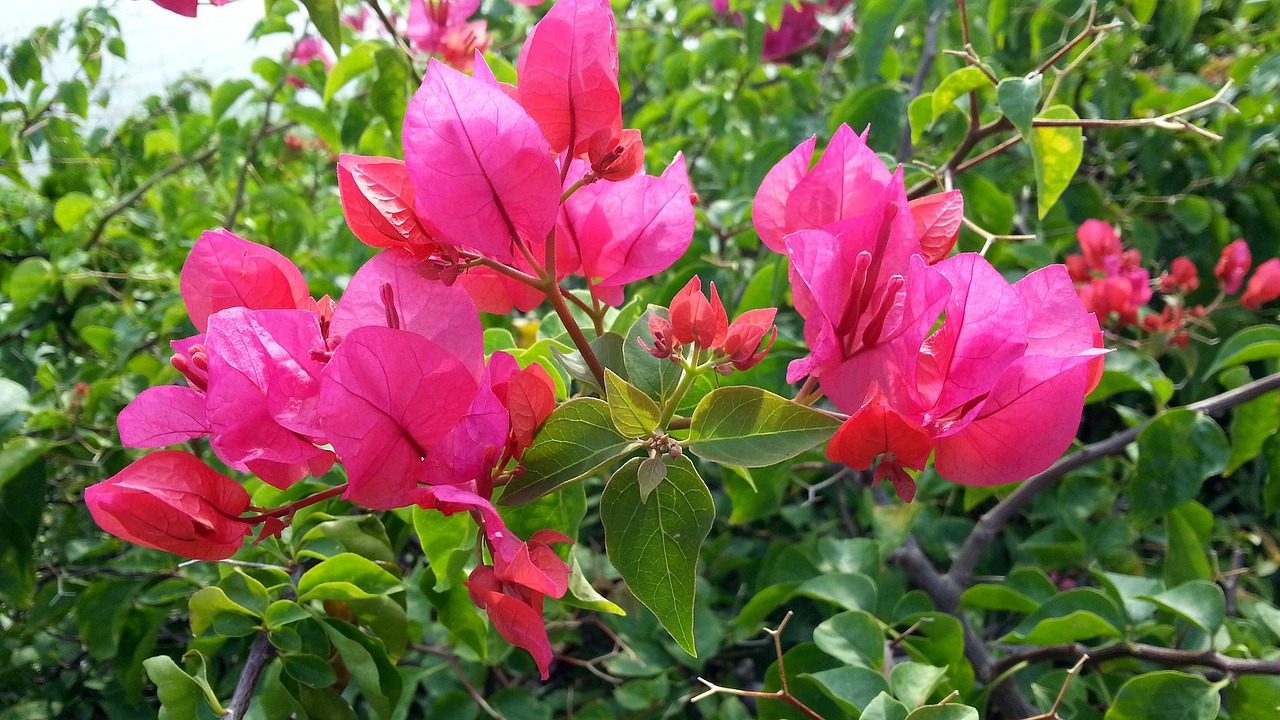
(654, 544)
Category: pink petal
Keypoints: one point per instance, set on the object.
(984, 332)
(568, 70)
(443, 314)
(843, 183)
(185, 8)
(473, 447)
(479, 164)
(164, 415)
(226, 271)
(263, 394)
(377, 202)
(1057, 322)
(938, 218)
(1024, 425)
(769, 210)
(386, 397)
(629, 230)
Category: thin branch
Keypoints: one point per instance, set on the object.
(994, 519)
(1169, 657)
(927, 54)
(399, 39)
(251, 152)
(259, 653)
(1052, 713)
(946, 595)
(136, 194)
(1089, 30)
(452, 659)
(782, 693)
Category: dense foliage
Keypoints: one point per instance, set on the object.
(1133, 578)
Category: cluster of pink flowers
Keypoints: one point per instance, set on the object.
(1114, 285)
(392, 380)
(798, 29)
(928, 354)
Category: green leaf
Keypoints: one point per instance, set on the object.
(207, 604)
(284, 612)
(31, 280)
(1078, 614)
(955, 85)
(1165, 695)
(1189, 527)
(309, 669)
(1056, 152)
(221, 99)
(1199, 601)
(914, 682)
(852, 687)
(326, 17)
(1176, 452)
(181, 694)
(582, 594)
(654, 545)
(18, 454)
(852, 637)
(1124, 370)
(159, 142)
(347, 577)
(1019, 97)
(949, 711)
(919, 115)
(989, 596)
(446, 541)
(655, 378)
(884, 707)
(751, 427)
(651, 474)
(75, 96)
(1259, 342)
(355, 63)
(634, 414)
(367, 661)
(1251, 424)
(851, 591)
(577, 440)
(319, 121)
(460, 617)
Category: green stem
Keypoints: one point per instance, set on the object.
(689, 373)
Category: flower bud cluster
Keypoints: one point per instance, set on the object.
(698, 321)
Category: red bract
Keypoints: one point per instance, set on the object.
(695, 319)
(938, 219)
(568, 70)
(744, 343)
(224, 271)
(480, 167)
(377, 202)
(528, 394)
(171, 501)
(1111, 280)
(1232, 266)
(1182, 277)
(1264, 286)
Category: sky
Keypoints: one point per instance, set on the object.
(160, 45)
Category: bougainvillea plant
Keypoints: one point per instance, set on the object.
(510, 196)
(540, 378)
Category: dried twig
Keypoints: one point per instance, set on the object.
(782, 693)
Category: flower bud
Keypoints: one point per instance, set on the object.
(170, 500)
(745, 343)
(1232, 265)
(664, 343)
(1264, 286)
(1182, 277)
(616, 156)
(696, 319)
(1100, 244)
